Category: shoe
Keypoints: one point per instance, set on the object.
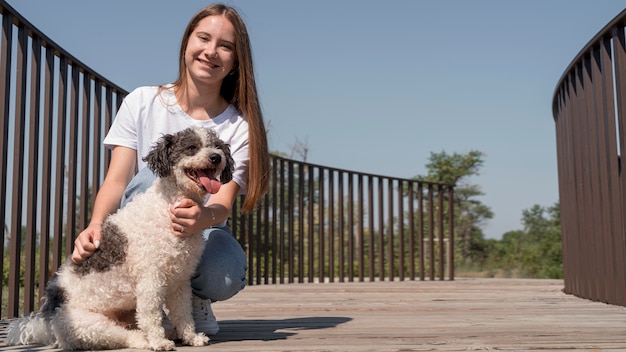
(203, 316)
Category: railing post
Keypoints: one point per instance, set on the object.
(18, 172)
(451, 233)
(33, 171)
(5, 95)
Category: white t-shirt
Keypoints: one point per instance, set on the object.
(145, 116)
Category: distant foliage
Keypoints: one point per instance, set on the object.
(533, 252)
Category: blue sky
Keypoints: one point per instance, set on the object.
(373, 86)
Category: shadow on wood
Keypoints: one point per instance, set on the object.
(271, 330)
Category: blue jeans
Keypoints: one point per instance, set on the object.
(221, 273)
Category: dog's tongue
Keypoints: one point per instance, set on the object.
(210, 183)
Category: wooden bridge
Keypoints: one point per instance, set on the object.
(460, 315)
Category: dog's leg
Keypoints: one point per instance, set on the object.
(150, 300)
(77, 328)
(179, 305)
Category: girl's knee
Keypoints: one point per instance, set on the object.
(222, 270)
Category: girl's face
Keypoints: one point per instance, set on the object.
(210, 53)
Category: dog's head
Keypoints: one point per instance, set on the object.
(198, 160)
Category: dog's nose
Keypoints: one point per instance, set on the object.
(215, 158)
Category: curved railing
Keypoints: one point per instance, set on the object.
(317, 224)
(322, 224)
(589, 109)
(56, 110)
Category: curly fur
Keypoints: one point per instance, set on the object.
(140, 266)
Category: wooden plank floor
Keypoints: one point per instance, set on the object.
(462, 315)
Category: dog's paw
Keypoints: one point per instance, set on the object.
(197, 340)
(162, 345)
(137, 340)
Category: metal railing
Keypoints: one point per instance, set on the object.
(56, 111)
(589, 108)
(317, 224)
(321, 224)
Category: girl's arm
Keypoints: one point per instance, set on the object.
(120, 172)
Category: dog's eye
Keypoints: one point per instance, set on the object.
(192, 148)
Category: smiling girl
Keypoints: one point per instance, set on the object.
(216, 89)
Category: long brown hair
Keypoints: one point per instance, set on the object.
(239, 89)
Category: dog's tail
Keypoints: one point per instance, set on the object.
(36, 329)
(31, 330)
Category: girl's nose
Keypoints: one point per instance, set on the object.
(211, 51)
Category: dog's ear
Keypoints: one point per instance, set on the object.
(158, 159)
(229, 167)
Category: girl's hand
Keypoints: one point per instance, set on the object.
(185, 215)
(86, 243)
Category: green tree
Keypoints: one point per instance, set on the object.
(543, 256)
(470, 213)
(535, 251)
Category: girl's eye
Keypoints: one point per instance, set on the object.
(227, 46)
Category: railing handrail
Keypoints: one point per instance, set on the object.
(363, 173)
(606, 31)
(19, 20)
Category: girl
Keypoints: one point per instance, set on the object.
(215, 88)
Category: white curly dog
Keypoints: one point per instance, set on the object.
(140, 265)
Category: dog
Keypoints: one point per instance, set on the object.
(140, 265)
